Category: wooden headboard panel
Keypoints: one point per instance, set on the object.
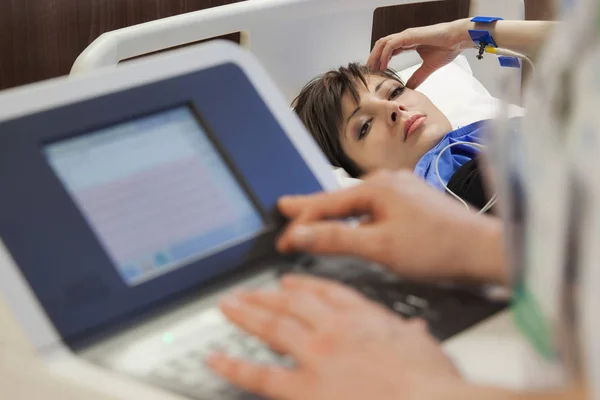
(40, 39)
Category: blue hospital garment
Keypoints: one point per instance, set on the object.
(454, 157)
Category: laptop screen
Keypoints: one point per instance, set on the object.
(156, 193)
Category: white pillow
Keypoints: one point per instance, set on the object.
(343, 179)
(457, 93)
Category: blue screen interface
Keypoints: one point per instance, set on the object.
(156, 193)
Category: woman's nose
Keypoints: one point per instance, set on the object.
(397, 110)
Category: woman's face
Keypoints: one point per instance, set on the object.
(391, 127)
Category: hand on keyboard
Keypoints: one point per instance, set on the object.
(345, 346)
(416, 231)
(447, 309)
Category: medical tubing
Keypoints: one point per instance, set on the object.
(509, 53)
(490, 203)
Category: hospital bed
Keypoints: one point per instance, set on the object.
(295, 40)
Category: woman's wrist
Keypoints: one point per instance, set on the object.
(516, 35)
(460, 29)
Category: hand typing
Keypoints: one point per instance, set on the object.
(345, 347)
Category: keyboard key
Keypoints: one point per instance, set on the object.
(192, 379)
(394, 295)
(199, 355)
(216, 347)
(307, 262)
(416, 301)
(188, 363)
(404, 309)
(176, 365)
(432, 315)
(165, 372)
(228, 392)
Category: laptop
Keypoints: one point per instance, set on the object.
(135, 197)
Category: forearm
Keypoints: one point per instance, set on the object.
(523, 36)
(482, 255)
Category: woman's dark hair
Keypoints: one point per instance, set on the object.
(319, 106)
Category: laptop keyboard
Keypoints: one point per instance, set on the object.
(187, 374)
(447, 309)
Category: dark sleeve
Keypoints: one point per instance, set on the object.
(467, 183)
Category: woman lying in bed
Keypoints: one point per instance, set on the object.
(366, 120)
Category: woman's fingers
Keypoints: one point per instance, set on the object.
(389, 46)
(379, 57)
(283, 333)
(392, 46)
(304, 306)
(375, 56)
(420, 75)
(273, 382)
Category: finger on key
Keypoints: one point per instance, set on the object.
(306, 307)
(285, 334)
(273, 382)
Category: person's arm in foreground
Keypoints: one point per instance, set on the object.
(439, 44)
(345, 347)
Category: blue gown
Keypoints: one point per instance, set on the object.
(454, 157)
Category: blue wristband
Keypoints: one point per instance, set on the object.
(486, 20)
(480, 37)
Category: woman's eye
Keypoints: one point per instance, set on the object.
(397, 92)
(364, 130)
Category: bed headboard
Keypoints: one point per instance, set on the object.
(294, 39)
(41, 39)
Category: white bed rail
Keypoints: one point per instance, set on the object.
(294, 39)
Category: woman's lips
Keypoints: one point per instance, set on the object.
(412, 124)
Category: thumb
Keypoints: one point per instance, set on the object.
(331, 237)
(420, 75)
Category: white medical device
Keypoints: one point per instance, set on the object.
(137, 196)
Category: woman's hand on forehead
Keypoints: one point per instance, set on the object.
(437, 45)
